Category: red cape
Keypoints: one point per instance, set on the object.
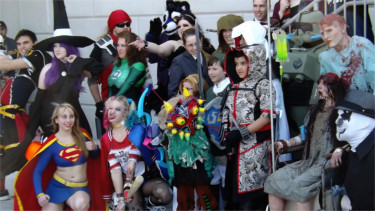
(103, 79)
(24, 194)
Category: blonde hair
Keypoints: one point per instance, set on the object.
(124, 101)
(193, 79)
(76, 130)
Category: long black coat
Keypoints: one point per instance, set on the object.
(360, 178)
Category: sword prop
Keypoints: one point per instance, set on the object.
(134, 187)
(199, 59)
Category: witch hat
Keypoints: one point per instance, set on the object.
(62, 32)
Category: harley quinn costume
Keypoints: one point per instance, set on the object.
(43, 165)
(113, 157)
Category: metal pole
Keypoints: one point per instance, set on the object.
(365, 19)
(355, 18)
(199, 59)
(270, 81)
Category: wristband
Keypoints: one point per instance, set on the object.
(39, 195)
(298, 140)
(146, 44)
(126, 189)
(244, 133)
(118, 199)
(338, 150)
(285, 145)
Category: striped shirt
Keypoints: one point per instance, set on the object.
(123, 152)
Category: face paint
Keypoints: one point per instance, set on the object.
(116, 112)
(353, 127)
(342, 124)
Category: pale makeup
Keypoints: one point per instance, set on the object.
(116, 112)
(333, 35)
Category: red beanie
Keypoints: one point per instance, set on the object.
(117, 16)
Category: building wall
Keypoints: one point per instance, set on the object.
(89, 18)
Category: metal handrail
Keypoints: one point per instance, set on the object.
(307, 8)
(340, 9)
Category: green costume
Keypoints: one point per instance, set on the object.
(127, 81)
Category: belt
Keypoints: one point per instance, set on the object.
(3, 147)
(4, 113)
(68, 183)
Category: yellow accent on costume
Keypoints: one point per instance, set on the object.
(68, 183)
(4, 113)
(168, 106)
(186, 93)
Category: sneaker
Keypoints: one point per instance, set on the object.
(4, 195)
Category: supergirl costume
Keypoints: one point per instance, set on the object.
(247, 100)
(13, 118)
(43, 165)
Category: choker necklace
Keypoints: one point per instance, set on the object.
(117, 125)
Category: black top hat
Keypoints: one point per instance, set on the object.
(62, 32)
(359, 102)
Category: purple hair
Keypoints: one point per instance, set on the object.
(53, 73)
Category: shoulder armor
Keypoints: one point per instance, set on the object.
(106, 43)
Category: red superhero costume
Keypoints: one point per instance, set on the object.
(24, 194)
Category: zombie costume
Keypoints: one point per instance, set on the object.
(13, 118)
(353, 64)
(127, 81)
(247, 100)
(301, 180)
(39, 174)
(190, 160)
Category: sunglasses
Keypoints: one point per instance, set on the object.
(122, 25)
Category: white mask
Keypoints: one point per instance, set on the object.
(353, 127)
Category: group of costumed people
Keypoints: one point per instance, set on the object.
(130, 166)
(65, 168)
